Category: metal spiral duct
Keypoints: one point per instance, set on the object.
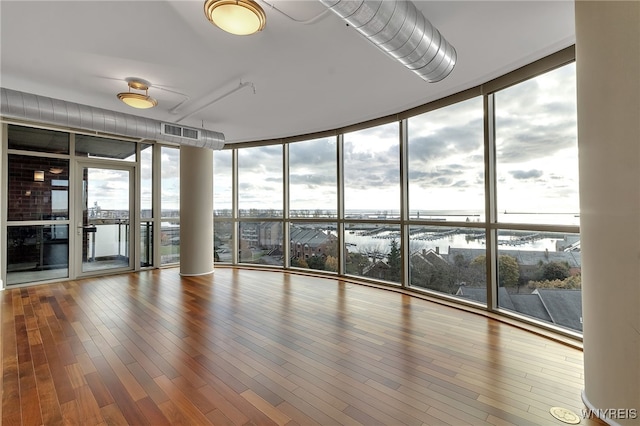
(402, 31)
(26, 106)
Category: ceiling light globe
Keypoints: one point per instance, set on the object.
(239, 17)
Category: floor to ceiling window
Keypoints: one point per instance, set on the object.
(70, 204)
(447, 187)
(372, 203)
(537, 198)
(37, 200)
(313, 203)
(476, 201)
(223, 224)
(260, 205)
(146, 205)
(170, 205)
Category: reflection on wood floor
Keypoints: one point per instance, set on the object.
(252, 347)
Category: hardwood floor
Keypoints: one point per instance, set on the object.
(259, 347)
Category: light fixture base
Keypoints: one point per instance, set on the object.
(138, 84)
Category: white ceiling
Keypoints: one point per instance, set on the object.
(307, 77)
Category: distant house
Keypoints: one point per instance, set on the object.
(431, 270)
(564, 306)
(428, 258)
(378, 270)
(270, 235)
(557, 306)
(528, 260)
(307, 242)
(524, 257)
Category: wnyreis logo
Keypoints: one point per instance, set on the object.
(611, 413)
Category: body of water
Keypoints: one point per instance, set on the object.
(442, 241)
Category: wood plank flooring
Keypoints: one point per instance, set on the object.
(247, 347)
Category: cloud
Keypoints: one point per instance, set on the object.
(526, 174)
(536, 119)
(446, 142)
(263, 159)
(373, 164)
(222, 161)
(316, 153)
(449, 175)
(170, 155)
(315, 179)
(522, 143)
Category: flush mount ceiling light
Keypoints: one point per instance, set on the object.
(138, 100)
(239, 17)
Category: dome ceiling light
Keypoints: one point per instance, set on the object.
(138, 100)
(239, 17)
(399, 29)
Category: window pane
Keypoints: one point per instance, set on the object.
(314, 246)
(372, 172)
(313, 178)
(539, 275)
(146, 181)
(169, 242)
(373, 251)
(170, 182)
(446, 163)
(36, 253)
(222, 240)
(170, 205)
(449, 260)
(261, 242)
(537, 150)
(96, 147)
(28, 139)
(260, 181)
(105, 218)
(146, 243)
(38, 188)
(222, 183)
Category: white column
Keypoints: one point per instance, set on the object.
(608, 83)
(196, 211)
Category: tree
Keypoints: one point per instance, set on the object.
(394, 260)
(554, 271)
(355, 263)
(331, 264)
(508, 269)
(572, 282)
(299, 263)
(439, 276)
(316, 262)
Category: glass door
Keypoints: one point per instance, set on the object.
(103, 227)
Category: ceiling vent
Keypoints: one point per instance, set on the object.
(180, 132)
(69, 115)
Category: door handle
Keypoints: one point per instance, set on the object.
(87, 228)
